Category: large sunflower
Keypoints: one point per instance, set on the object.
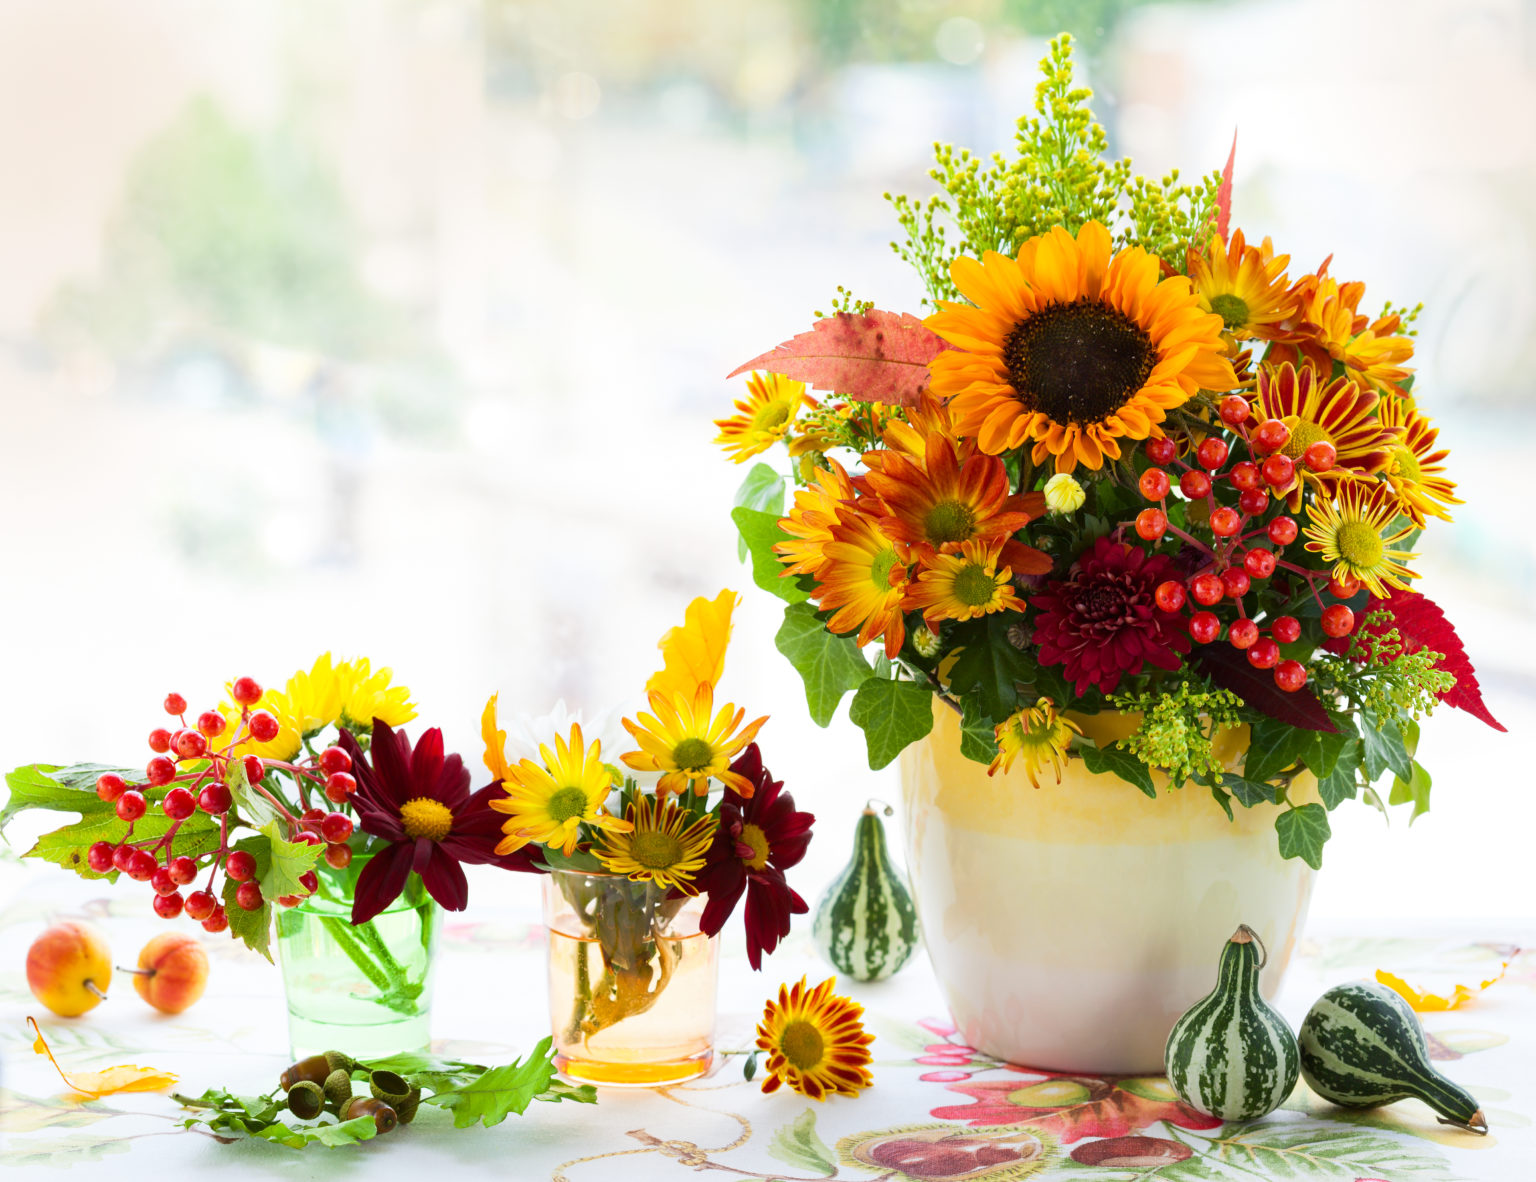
(815, 1042)
(1245, 285)
(964, 586)
(763, 417)
(682, 741)
(660, 845)
(1072, 348)
(862, 583)
(1347, 532)
(1415, 469)
(1337, 412)
(548, 804)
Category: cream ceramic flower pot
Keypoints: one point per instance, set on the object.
(1070, 926)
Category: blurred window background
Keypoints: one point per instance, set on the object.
(396, 328)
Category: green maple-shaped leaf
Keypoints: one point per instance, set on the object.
(489, 1098)
(829, 665)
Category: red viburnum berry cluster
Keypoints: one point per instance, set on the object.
(1249, 544)
(196, 776)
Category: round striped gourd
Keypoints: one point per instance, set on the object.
(865, 924)
(1362, 1045)
(1232, 1055)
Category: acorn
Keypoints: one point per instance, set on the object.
(306, 1099)
(389, 1087)
(406, 1109)
(384, 1117)
(316, 1068)
(338, 1088)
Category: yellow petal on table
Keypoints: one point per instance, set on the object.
(93, 1084)
(695, 653)
(1435, 1002)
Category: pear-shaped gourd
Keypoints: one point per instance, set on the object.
(865, 924)
(1362, 1045)
(1232, 1055)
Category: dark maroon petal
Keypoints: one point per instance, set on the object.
(381, 882)
(724, 889)
(477, 829)
(444, 879)
(452, 785)
(767, 915)
(427, 763)
(391, 754)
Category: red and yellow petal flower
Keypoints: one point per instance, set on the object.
(1415, 469)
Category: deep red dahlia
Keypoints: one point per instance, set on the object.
(1102, 621)
(758, 838)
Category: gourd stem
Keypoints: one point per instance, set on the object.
(1245, 933)
(869, 807)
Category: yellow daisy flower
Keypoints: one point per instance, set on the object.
(1415, 470)
(366, 695)
(236, 741)
(681, 741)
(1245, 285)
(964, 586)
(1036, 734)
(1347, 533)
(314, 696)
(766, 414)
(549, 804)
(1072, 348)
(816, 1042)
(658, 844)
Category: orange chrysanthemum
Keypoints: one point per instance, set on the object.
(1072, 348)
(1245, 285)
(817, 508)
(1338, 412)
(763, 417)
(1327, 326)
(939, 504)
(964, 586)
(815, 1041)
(862, 582)
(1415, 469)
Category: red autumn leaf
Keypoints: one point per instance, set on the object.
(876, 357)
(1421, 624)
(1224, 192)
(1229, 668)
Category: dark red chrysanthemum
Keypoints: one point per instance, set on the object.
(1421, 624)
(419, 803)
(758, 838)
(1102, 622)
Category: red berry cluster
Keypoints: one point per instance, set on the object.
(194, 777)
(1246, 549)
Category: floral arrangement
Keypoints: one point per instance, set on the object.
(1128, 463)
(696, 811)
(272, 797)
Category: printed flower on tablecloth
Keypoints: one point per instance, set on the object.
(1074, 1106)
(942, 1153)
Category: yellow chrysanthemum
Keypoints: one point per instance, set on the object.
(1415, 470)
(816, 1042)
(683, 742)
(549, 804)
(964, 586)
(658, 845)
(495, 740)
(1347, 533)
(1037, 734)
(816, 509)
(1245, 285)
(766, 414)
(1063, 494)
(1072, 347)
(237, 741)
(862, 583)
(695, 652)
(314, 696)
(366, 695)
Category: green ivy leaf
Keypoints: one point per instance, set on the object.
(491, 1097)
(253, 927)
(991, 668)
(1224, 799)
(830, 665)
(1121, 763)
(1250, 792)
(1415, 788)
(1339, 784)
(1303, 832)
(893, 714)
(1384, 747)
(760, 531)
(978, 734)
(1274, 746)
(797, 1144)
(286, 861)
(763, 490)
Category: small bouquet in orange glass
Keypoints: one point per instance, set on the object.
(648, 859)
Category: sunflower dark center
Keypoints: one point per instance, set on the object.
(1078, 362)
(693, 754)
(655, 850)
(802, 1044)
(567, 803)
(1232, 309)
(949, 521)
(974, 586)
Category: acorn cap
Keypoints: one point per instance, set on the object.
(406, 1109)
(389, 1087)
(306, 1099)
(338, 1088)
(340, 1061)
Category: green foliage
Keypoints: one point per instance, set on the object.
(990, 667)
(1123, 764)
(1415, 788)
(760, 531)
(1059, 178)
(829, 665)
(978, 735)
(797, 1144)
(845, 301)
(893, 715)
(1177, 727)
(1341, 782)
(762, 490)
(285, 862)
(1303, 832)
(1376, 674)
(253, 927)
(264, 1118)
(492, 1096)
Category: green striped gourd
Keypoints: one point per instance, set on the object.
(866, 924)
(1362, 1045)
(1232, 1055)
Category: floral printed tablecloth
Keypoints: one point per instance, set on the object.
(938, 1109)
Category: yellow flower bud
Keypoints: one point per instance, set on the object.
(1064, 494)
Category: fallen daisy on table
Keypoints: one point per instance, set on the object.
(816, 1042)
